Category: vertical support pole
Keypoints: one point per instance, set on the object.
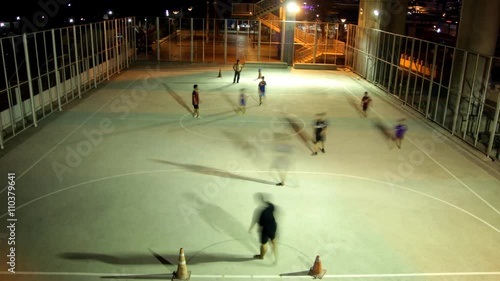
(77, 65)
(410, 73)
(126, 43)
(449, 87)
(56, 70)
(30, 83)
(315, 48)
(392, 57)
(9, 92)
(283, 31)
(146, 36)
(347, 46)
(134, 38)
(483, 100)
(170, 39)
(495, 123)
(225, 41)
(203, 41)
(259, 40)
(93, 54)
(106, 48)
(471, 97)
(117, 47)
(192, 40)
(459, 94)
(158, 45)
(429, 93)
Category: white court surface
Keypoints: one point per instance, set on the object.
(115, 184)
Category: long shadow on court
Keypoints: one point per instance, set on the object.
(211, 171)
(167, 259)
(354, 103)
(231, 102)
(385, 130)
(224, 223)
(178, 98)
(251, 148)
(306, 139)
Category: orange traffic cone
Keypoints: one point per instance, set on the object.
(316, 270)
(220, 74)
(182, 273)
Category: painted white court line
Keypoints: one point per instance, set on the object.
(69, 135)
(249, 276)
(437, 162)
(262, 172)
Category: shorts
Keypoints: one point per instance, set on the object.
(319, 138)
(365, 107)
(266, 235)
(195, 106)
(262, 94)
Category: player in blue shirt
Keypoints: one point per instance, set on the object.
(262, 90)
(399, 132)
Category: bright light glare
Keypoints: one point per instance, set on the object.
(376, 12)
(293, 7)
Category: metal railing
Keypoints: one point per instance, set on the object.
(54, 67)
(452, 87)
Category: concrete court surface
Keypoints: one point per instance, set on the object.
(116, 183)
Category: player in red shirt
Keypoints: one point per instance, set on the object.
(366, 101)
(195, 97)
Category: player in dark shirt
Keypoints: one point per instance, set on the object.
(365, 103)
(268, 226)
(320, 126)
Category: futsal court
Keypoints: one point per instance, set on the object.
(115, 184)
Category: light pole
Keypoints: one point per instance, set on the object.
(289, 31)
(208, 21)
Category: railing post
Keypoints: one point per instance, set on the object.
(258, 40)
(483, 99)
(225, 41)
(315, 42)
(459, 94)
(56, 70)
(106, 49)
(429, 94)
(192, 41)
(30, 83)
(94, 68)
(495, 124)
(471, 96)
(158, 45)
(77, 66)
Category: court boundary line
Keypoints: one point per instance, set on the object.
(251, 276)
(435, 161)
(70, 134)
(263, 171)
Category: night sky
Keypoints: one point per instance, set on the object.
(93, 7)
